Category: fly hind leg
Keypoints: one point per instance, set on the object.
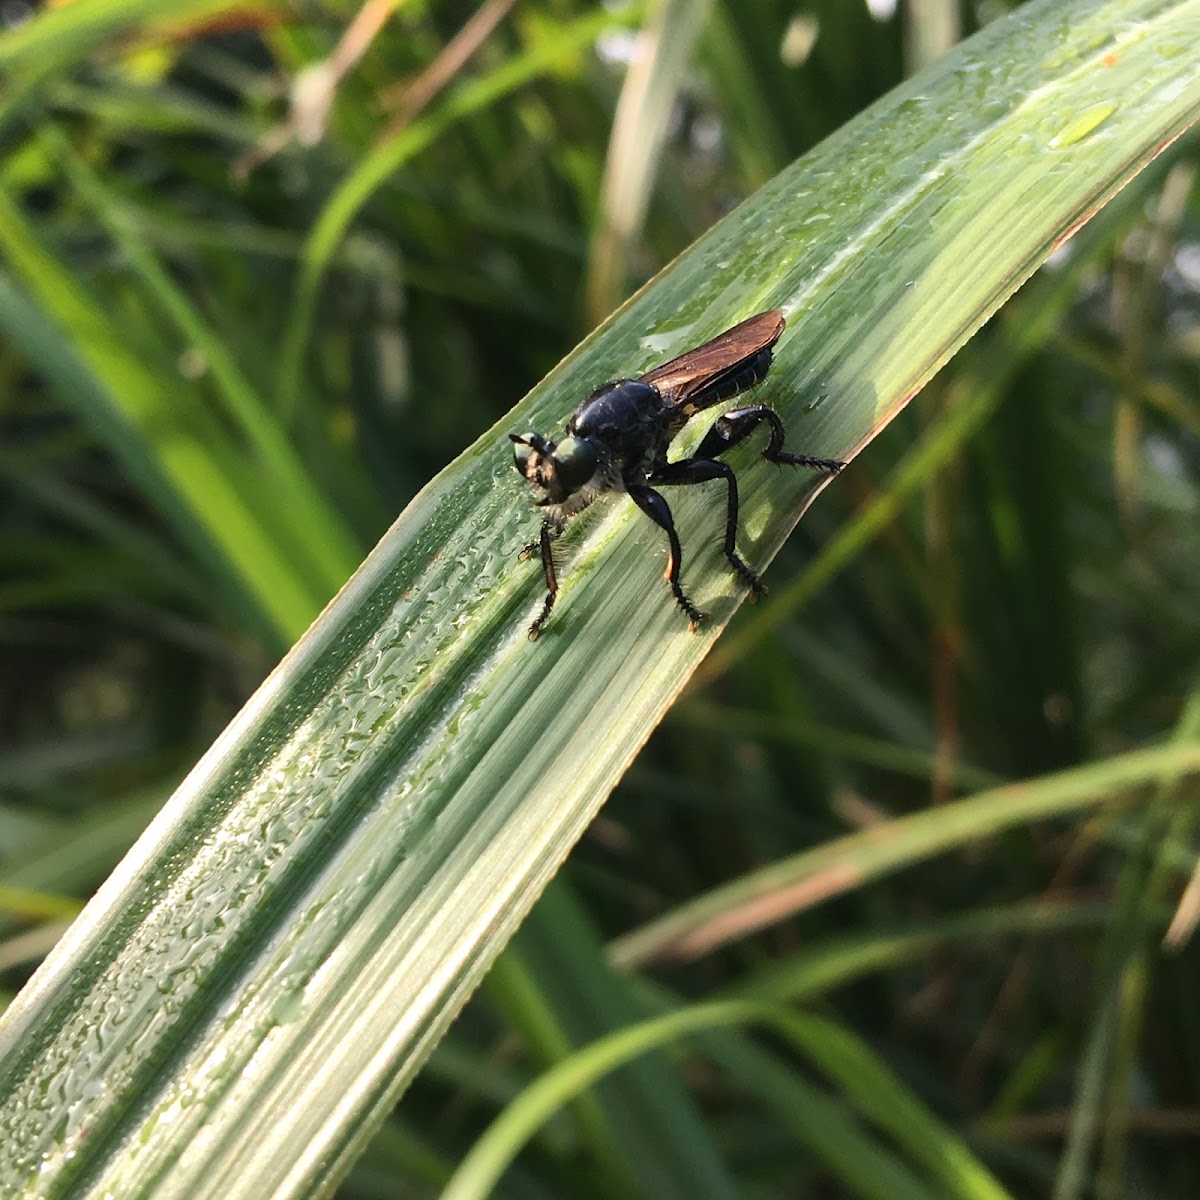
(737, 425)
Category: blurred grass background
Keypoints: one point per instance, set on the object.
(195, 316)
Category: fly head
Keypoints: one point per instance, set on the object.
(557, 470)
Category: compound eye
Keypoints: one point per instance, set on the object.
(575, 463)
(523, 450)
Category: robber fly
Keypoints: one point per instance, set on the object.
(617, 441)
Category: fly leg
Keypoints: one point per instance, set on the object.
(544, 547)
(656, 508)
(738, 423)
(700, 470)
(727, 431)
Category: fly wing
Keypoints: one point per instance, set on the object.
(711, 372)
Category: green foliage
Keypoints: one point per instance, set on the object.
(877, 909)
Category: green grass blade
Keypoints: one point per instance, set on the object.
(863, 1166)
(166, 447)
(660, 1144)
(318, 535)
(552, 49)
(657, 72)
(1108, 1061)
(66, 32)
(833, 1136)
(891, 1105)
(245, 998)
(833, 963)
(34, 51)
(849, 862)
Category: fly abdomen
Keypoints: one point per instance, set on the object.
(748, 374)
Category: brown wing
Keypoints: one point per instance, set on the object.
(704, 368)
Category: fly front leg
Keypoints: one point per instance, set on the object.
(657, 509)
(544, 546)
(737, 425)
(701, 470)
